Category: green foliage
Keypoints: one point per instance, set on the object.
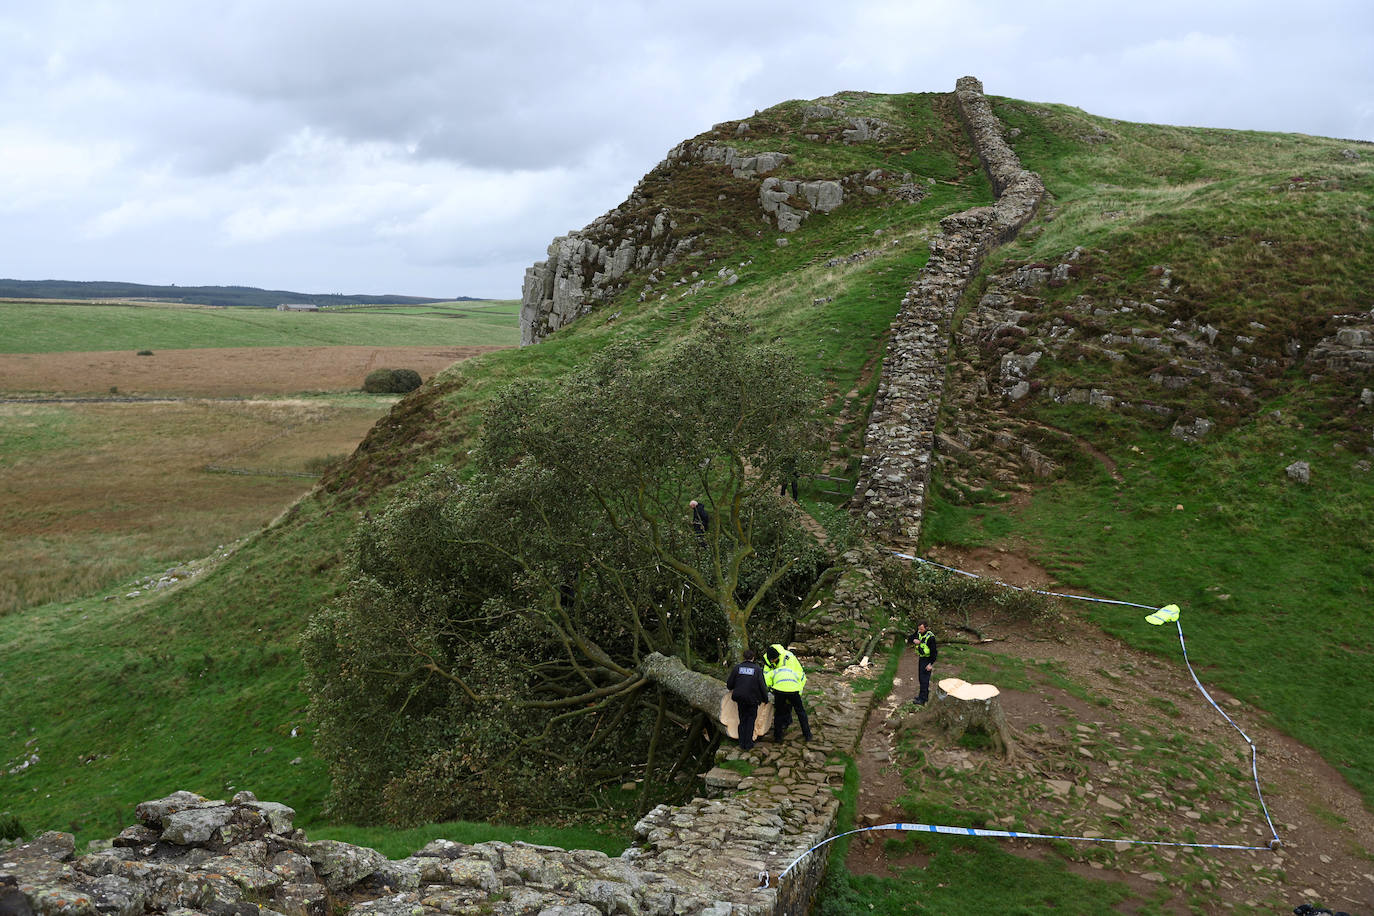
(485, 657)
(10, 828)
(936, 596)
(391, 381)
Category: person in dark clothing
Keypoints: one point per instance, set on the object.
(789, 480)
(701, 521)
(927, 651)
(748, 691)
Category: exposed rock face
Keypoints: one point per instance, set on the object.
(587, 268)
(583, 269)
(901, 432)
(1350, 349)
(1188, 373)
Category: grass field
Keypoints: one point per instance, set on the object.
(114, 698)
(41, 327)
(93, 494)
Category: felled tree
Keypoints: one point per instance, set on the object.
(505, 640)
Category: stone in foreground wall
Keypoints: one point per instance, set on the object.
(900, 442)
(189, 855)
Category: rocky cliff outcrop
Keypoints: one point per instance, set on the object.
(645, 237)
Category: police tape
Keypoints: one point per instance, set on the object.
(1153, 618)
(1254, 752)
(907, 556)
(1274, 842)
(1014, 835)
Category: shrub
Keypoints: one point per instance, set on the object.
(10, 828)
(145, 353)
(391, 381)
(323, 464)
(941, 597)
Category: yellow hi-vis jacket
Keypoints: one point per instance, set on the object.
(787, 676)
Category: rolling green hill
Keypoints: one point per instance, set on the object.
(199, 688)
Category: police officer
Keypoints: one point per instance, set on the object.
(748, 689)
(926, 653)
(785, 677)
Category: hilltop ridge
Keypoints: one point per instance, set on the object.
(1081, 360)
(243, 296)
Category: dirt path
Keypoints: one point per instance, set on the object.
(1091, 706)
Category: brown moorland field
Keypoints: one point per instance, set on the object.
(97, 491)
(218, 372)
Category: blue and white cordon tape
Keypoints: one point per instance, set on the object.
(1169, 613)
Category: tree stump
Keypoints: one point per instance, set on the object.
(961, 707)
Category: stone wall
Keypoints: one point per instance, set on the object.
(900, 442)
(763, 809)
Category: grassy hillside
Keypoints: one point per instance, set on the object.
(1265, 239)
(41, 327)
(191, 689)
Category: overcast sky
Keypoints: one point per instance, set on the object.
(436, 147)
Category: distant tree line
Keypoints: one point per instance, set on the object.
(248, 296)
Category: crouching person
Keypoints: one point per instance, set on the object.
(784, 676)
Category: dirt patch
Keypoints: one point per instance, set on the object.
(1096, 718)
(218, 372)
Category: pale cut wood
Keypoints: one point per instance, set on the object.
(729, 717)
(961, 707)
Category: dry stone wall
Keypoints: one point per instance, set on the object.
(714, 856)
(900, 442)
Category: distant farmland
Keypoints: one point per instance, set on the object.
(47, 327)
(96, 489)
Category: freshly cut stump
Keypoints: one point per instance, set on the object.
(961, 707)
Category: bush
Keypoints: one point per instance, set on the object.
(10, 828)
(391, 381)
(144, 353)
(940, 597)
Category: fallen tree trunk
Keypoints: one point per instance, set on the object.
(700, 691)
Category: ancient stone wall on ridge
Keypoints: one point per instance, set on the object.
(766, 809)
(900, 443)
